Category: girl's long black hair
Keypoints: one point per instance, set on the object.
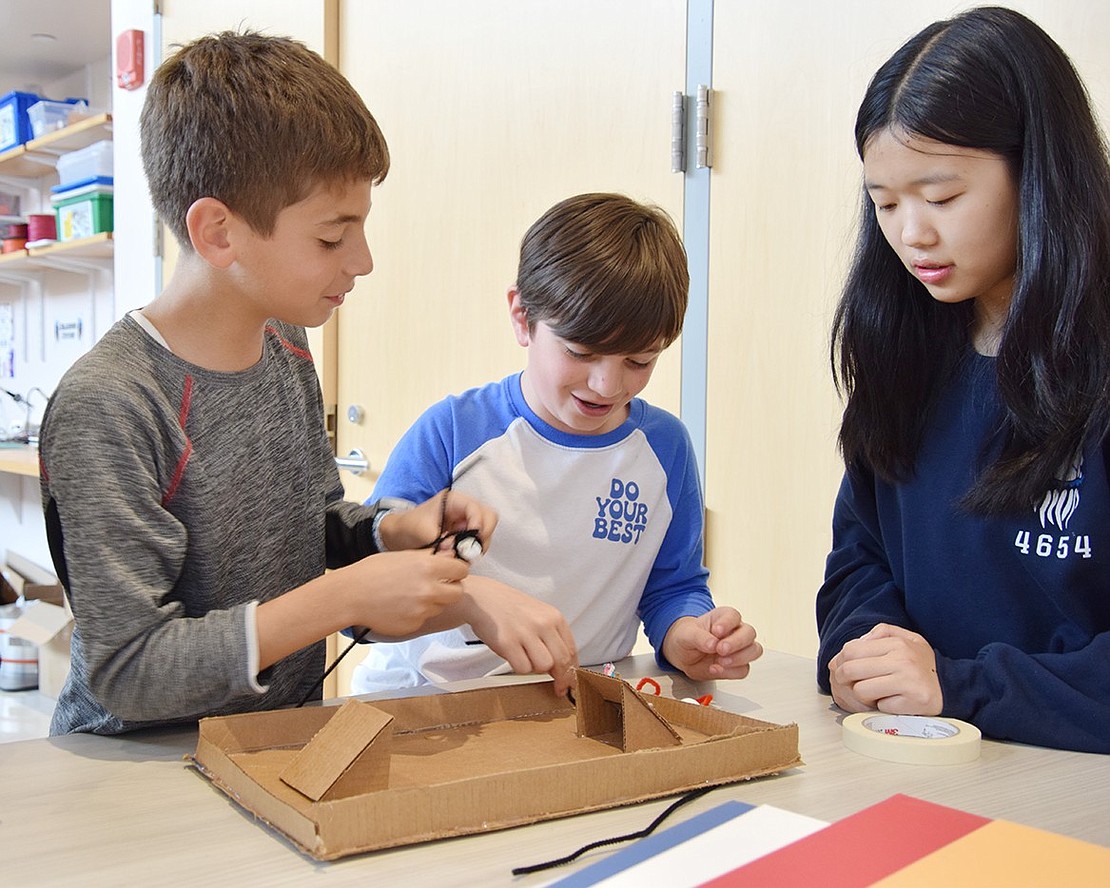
(989, 79)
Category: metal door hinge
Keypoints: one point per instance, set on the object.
(701, 131)
(678, 133)
(701, 136)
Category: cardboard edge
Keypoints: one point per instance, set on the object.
(329, 832)
(214, 764)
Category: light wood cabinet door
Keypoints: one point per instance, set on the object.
(787, 81)
(494, 110)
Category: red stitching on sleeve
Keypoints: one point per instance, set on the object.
(182, 418)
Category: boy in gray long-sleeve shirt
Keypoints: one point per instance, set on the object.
(192, 501)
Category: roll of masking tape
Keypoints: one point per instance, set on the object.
(911, 739)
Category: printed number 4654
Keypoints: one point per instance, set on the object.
(1046, 544)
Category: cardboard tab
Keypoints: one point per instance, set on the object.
(349, 755)
(49, 627)
(611, 711)
(23, 578)
(41, 623)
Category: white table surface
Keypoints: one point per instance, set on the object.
(93, 810)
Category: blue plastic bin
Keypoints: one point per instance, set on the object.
(15, 125)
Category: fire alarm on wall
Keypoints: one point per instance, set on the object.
(129, 59)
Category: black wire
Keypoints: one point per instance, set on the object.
(459, 536)
(434, 546)
(366, 631)
(689, 797)
(320, 681)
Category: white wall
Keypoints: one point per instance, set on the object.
(137, 267)
(95, 299)
(57, 301)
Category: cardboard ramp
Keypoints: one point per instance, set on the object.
(340, 780)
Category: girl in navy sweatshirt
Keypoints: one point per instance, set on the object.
(970, 569)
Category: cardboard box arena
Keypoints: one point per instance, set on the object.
(340, 780)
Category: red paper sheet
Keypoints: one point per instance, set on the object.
(860, 849)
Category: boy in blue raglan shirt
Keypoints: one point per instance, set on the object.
(598, 493)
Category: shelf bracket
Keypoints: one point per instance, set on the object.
(73, 264)
(20, 277)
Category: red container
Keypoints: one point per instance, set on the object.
(42, 226)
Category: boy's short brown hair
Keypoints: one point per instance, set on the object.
(256, 122)
(605, 271)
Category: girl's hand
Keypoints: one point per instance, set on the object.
(718, 644)
(447, 512)
(890, 669)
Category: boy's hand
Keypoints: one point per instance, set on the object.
(530, 634)
(718, 644)
(890, 669)
(419, 527)
(396, 593)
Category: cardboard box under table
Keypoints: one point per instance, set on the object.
(25, 579)
(49, 628)
(43, 624)
(339, 780)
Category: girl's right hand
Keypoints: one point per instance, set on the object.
(890, 669)
(396, 593)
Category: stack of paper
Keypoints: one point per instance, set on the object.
(898, 843)
(700, 849)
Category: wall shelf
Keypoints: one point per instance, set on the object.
(21, 459)
(99, 247)
(33, 166)
(36, 159)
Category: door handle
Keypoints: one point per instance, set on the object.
(354, 462)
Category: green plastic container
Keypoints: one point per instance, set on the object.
(83, 214)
